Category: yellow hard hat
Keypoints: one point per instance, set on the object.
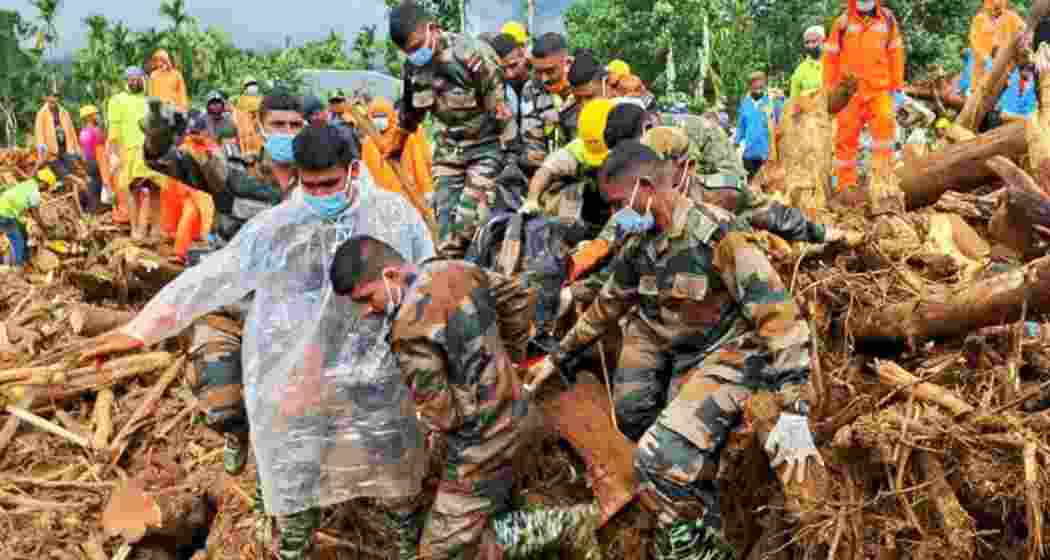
(592, 130)
(618, 68)
(87, 111)
(47, 176)
(516, 30)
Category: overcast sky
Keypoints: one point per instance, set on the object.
(255, 26)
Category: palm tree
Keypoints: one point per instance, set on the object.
(47, 10)
(175, 11)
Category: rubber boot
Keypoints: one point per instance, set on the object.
(234, 453)
(408, 526)
(523, 533)
(691, 540)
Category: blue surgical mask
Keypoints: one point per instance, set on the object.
(381, 123)
(423, 54)
(329, 205)
(279, 146)
(629, 221)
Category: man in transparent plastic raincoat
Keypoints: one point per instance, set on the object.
(330, 419)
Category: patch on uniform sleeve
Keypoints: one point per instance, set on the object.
(689, 286)
(647, 285)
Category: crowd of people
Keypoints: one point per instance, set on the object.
(553, 177)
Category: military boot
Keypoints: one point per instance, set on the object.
(523, 533)
(691, 540)
(234, 454)
(407, 525)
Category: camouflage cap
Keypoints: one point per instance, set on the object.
(669, 142)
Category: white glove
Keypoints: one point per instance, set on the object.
(849, 238)
(538, 374)
(564, 301)
(791, 442)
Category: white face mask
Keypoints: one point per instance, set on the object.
(865, 5)
(381, 123)
(251, 90)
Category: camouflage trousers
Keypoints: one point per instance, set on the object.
(475, 487)
(676, 462)
(217, 360)
(465, 191)
(642, 382)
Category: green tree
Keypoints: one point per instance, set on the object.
(47, 11)
(175, 12)
(366, 47)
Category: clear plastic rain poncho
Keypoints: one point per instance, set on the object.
(330, 418)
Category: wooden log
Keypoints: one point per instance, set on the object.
(960, 167)
(951, 516)
(1023, 206)
(155, 393)
(991, 301)
(1033, 503)
(895, 376)
(88, 320)
(806, 146)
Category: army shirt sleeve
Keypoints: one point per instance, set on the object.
(786, 221)
(512, 303)
(488, 75)
(769, 308)
(616, 297)
(424, 370)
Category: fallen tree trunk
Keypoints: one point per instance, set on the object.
(135, 513)
(960, 167)
(88, 320)
(991, 301)
(895, 376)
(1023, 206)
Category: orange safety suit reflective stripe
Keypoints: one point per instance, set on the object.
(870, 48)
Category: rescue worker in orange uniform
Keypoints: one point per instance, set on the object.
(414, 158)
(865, 42)
(993, 26)
(166, 81)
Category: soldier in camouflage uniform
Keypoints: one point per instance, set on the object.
(457, 79)
(234, 187)
(448, 336)
(543, 98)
(709, 323)
(756, 208)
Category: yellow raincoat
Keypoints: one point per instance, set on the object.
(45, 132)
(166, 82)
(246, 118)
(416, 158)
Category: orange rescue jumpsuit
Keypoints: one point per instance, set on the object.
(988, 32)
(415, 158)
(187, 214)
(870, 48)
(166, 82)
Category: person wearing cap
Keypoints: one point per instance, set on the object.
(126, 111)
(470, 115)
(330, 418)
(517, 31)
(622, 83)
(755, 128)
(246, 119)
(56, 137)
(314, 111)
(91, 143)
(15, 202)
(166, 83)
(217, 116)
(809, 76)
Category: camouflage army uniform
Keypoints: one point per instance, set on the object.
(706, 295)
(468, 156)
(542, 128)
(447, 340)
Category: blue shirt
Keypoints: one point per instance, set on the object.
(967, 74)
(1017, 102)
(752, 127)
